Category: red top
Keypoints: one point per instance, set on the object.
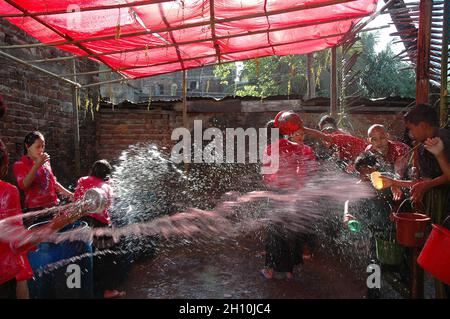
(42, 192)
(88, 182)
(396, 150)
(12, 264)
(348, 145)
(296, 161)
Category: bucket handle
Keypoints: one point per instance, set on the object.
(409, 200)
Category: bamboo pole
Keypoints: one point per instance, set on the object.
(45, 24)
(145, 48)
(333, 83)
(192, 25)
(206, 56)
(187, 144)
(84, 9)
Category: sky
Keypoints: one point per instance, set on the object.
(384, 37)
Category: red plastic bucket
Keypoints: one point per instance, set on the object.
(435, 255)
(411, 228)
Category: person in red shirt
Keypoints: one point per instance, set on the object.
(104, 270)
(16, 240)
(394, 153)
(14, 267)
(35, 176)
(295, 160)
(349, 146)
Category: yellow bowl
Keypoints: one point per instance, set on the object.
(377, 182)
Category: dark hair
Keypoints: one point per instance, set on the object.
(327, 119)
(366, 159)
(422, 113)
(270, 125)
(101, 169)
(30, 139)
(3, 159)
(2, 107)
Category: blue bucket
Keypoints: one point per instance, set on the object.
(72, 280)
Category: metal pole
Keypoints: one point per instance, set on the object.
(76, 124)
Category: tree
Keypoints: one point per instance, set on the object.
(378, 75)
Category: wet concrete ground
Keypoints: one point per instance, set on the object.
(231, 271)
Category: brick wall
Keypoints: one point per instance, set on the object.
(38, 102)
(126, 125)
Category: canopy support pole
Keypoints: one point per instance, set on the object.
(76, 124)
(333, 83)
(186, 121)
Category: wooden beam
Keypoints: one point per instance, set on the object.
(45, 24)
(423, 49)
(84, 9)
(192, 25)
(212, 18)
(204, 56)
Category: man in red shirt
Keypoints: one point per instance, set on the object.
(349, 146)
(393, 153)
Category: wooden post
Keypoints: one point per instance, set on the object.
(423, 52)
(443, 107)
(76, 125)
(333, 83)
(311, 75)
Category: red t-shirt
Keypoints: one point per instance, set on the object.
(42, 192)
(88, 182)
(396, 150)
(349, 146)
(296, 162)
(12, 264)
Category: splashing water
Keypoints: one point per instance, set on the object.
(149, 189)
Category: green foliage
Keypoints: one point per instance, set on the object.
(378, 74)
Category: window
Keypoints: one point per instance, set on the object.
(159, 89)
(193, 85)
(173, 89)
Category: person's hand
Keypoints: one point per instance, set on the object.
(347, 218)
(434, 145)
(397, 193)
(418, 191)
(350, 168)
(41, 160)
(387, 181)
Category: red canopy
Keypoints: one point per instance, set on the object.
(145, 38)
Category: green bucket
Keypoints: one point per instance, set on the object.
(389, 252)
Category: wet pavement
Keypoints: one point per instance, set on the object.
(230, 270)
